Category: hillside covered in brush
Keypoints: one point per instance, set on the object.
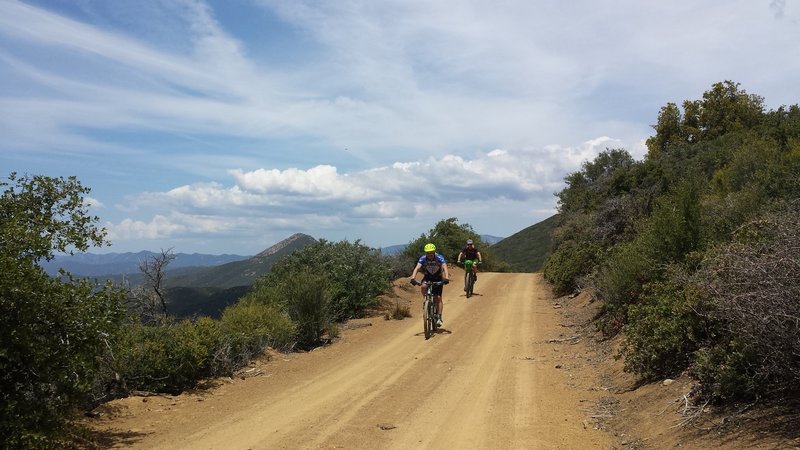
(695, 250)
(527, 249)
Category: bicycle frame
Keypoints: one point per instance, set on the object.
(429, 307)
(469, 276)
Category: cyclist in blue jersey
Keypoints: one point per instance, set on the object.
(434, 268)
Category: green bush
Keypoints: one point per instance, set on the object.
(449, 237)
(728, 370)
(309, 305)
(355, 275)
(400, 265)
(665, 328)
(165, 357)
(567, 263)
(621, 280)
(172, 356)
(247, 328)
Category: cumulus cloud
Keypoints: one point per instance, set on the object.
(321, 197)
(159, 227)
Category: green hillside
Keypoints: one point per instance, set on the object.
(206, 291)
(239, 273)
(187, 302)
(528, 249)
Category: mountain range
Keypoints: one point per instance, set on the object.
(100, 265)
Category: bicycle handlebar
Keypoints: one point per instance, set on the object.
(434, 283)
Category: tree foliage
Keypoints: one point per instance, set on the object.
(54, 332)
(660, 240)
(450, 237)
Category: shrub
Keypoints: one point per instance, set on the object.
(728, 370)
(309, 305)
(620, 282)
(753, 283)
(665, 328)
(355, 275)
(567, 263)
(247, 328)
(398, 312)
(165, 357)
(400, 265)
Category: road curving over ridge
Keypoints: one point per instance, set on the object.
(497, 376)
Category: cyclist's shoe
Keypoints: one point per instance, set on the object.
(439, 322)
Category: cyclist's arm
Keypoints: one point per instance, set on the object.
(480, 259)
(446, 273)
(416, 268)
(460, 254)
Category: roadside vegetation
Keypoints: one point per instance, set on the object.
(695, 250)
(67, 344)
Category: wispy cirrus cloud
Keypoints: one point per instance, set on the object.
(213, 122)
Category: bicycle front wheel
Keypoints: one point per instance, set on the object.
(427, 319)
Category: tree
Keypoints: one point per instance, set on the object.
(724, 109)
(669, 130)
(449, 236)
(150, 298)
(53, 331)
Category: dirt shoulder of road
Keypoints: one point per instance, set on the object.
(665, 414)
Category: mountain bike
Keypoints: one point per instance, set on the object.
(429, 314)
(469, 276)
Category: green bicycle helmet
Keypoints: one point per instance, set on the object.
(430, 247)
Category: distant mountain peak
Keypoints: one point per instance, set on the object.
(285, 243)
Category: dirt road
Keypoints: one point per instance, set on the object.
(489, 379)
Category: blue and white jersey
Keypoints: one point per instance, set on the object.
(431, 268)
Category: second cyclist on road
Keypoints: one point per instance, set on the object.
(472, 253)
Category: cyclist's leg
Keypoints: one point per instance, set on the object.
(437, 296)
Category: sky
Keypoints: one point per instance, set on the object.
(226, 126)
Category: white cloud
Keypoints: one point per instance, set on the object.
(322, 198)
(93, 203)
(159, 227)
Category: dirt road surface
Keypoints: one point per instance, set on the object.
(494, 377)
